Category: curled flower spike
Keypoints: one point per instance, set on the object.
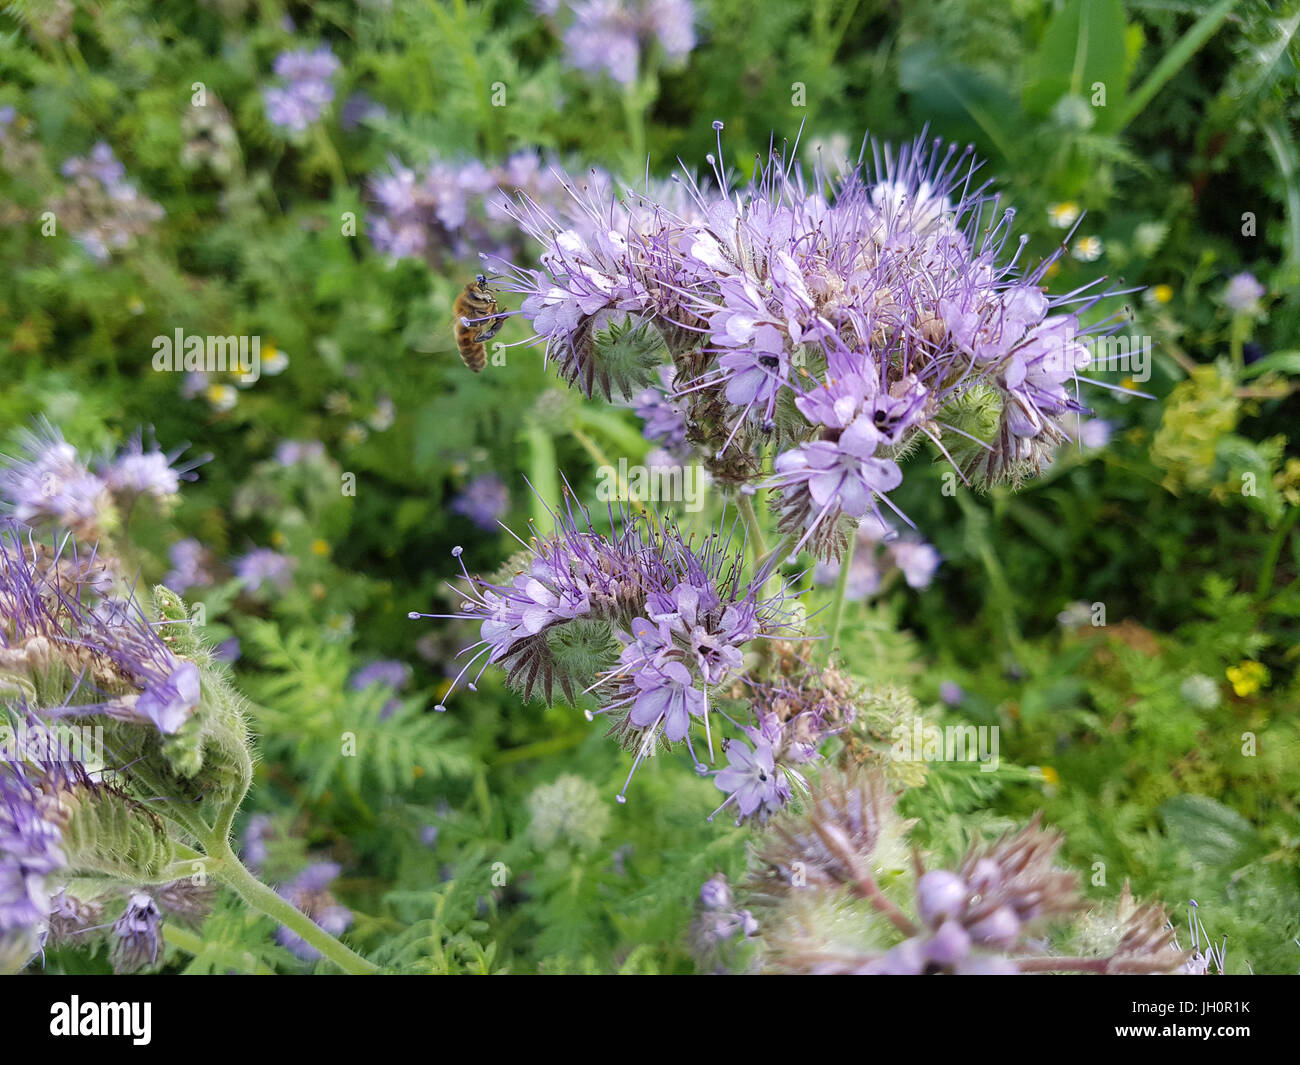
(641, 618)
(31, 854)
(120, 663)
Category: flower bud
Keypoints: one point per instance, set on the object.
(940, 895)
(1001, 928)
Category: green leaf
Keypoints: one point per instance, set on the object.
(1085, 46)
(1214, 834)
(940, 87)
(1287, 362)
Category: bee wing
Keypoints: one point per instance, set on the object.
(433, 345)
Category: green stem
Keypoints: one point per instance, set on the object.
(601, 459)
(1284, 156)
(1174, 60)
(837, 603)
(1265, 584)
(544, 474)
(230, 871)
(333, 161)
(226, 816)
(746, 508)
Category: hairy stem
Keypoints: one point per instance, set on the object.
(230, 871)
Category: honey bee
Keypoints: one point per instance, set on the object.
(476, 318)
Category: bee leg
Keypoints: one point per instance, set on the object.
(493, 330)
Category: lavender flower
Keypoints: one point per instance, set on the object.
(1243, 293)
(133, 472)
(719, 922)
(611, 36)
(916, 560)
(190, 562)
(385, 671)
(951, 693)
(259, 830)
(1206, 958)
(359, 108)
(137, 935)
(484, 501)
(640, 618)
(30, 854)
(104, 210)
(132, 673)
(305, 91)
(879, 552)
(753, 781)
(309, 892)
(842, 330)
(50, 482)
(457, 206)
(262, 568)
(295, 452)
(665, 420)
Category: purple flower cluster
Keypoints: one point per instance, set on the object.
(614, 36)
(137, 935)
(297, 452)
(129, 671)
(191, 563)
(719, 920)
(664, 417)
(262, 568)
(31, 851)
(839, 329)
(306, 88)
(309, 892)
(484, 501)
(50, 482)
(1242, 293)
(104, 210)
(879, 553)
(457, 207)
(640, 617)
(985, 918)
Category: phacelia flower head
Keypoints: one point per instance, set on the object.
(305, 90)
(49, 482)
(641, 618)
(137, 935)
(104, 210)
(125, 667)
(484, 501)
(31, 854)
(611, 36)
(1243, 293)
(263, 568)
(838, 322)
